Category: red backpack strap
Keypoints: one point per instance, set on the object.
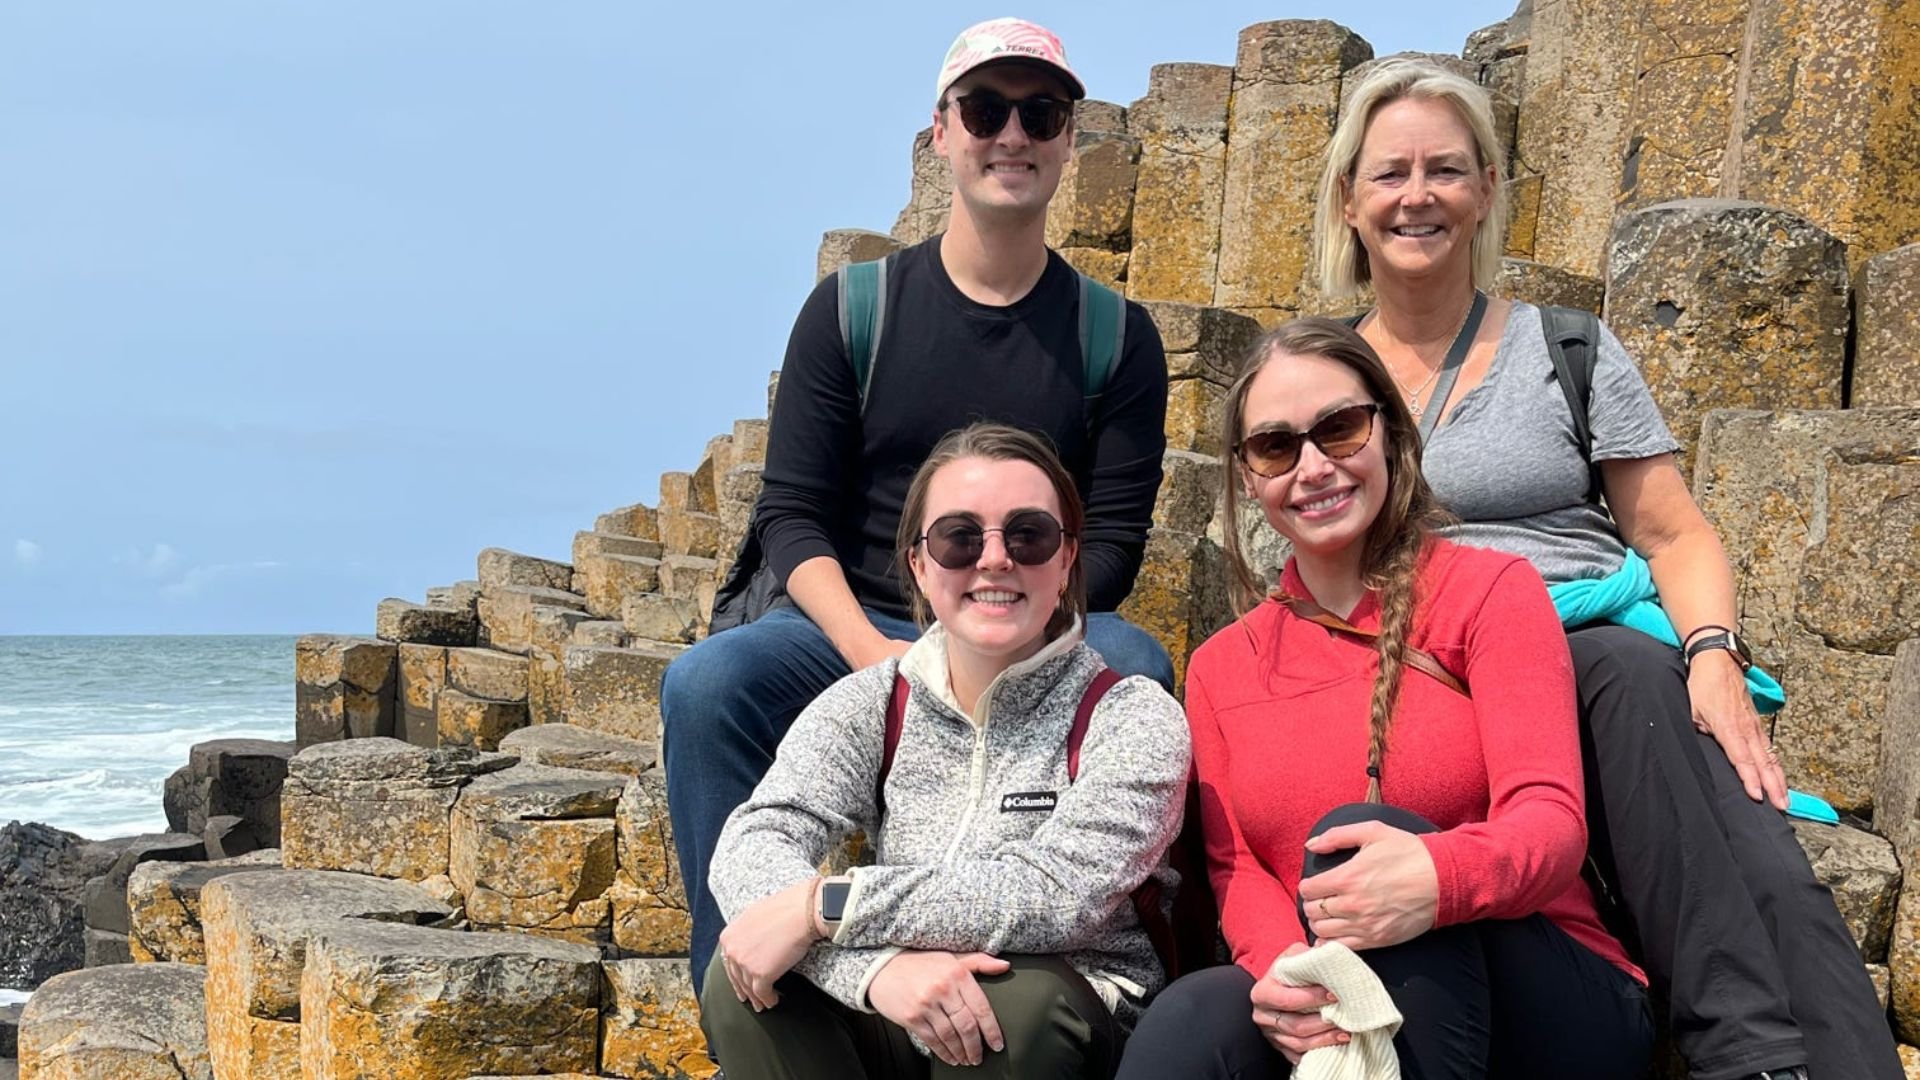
(1082, 716)
(896, 719)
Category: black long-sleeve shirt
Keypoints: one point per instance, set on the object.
(835, 480)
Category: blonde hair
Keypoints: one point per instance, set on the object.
(1337, 250)
(1399, 535)
(995, 442)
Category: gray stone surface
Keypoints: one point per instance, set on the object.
(107, 894)
(107, 947)
(230, 777)
(1896, 801)
(569, 747)
(1864, 875)
(163, 901)
(500, 567)
(424, 624)
(542, 792)
(144, 1022)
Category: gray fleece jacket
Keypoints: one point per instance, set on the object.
(970, 856)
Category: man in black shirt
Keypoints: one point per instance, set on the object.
(982, 322)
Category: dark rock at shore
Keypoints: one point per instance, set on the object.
(230, 777)
(10, 1030)
(43, 876)
(105, 896)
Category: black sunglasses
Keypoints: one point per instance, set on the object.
(984, 113)
(956, 541)
(1339, 434)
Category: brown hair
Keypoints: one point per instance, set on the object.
(995, 442)
(1398, 536)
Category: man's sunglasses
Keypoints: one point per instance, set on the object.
(1339, 434)
(984, 113)
(956, 541)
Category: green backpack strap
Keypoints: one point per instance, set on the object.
(863, 315)
(1103, 338)
(1573, 341)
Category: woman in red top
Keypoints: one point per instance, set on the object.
(1469, 906)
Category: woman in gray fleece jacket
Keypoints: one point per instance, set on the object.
(998, 926)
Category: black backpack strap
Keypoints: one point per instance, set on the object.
(863, 317)
(1573, 341)
(1103, 338)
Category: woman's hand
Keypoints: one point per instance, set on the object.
(934, 996)
(1289, 1016)
(1387, 893)
(764, 943)
(1723, 708)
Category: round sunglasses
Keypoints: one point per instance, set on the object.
(1341, 433)
(956, 541)
(984, 114)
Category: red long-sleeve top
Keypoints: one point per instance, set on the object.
(1279, 708)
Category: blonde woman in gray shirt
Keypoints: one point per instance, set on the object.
(1007, 924)
(1684, 791)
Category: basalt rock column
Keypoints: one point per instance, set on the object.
(1822, 512)
(123, 1023)
(533, 850)
(1574, 118)
(343, 688)
(1830, 129)
(394, 1002)
(1181, 125)
(1886, 358)
(1286, 97)
(1729, 304)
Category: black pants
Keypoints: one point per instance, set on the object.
(1757, 965)
(1055, 1027)
(1504, 999)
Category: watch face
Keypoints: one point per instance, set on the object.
(833, 899)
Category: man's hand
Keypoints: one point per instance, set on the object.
(1289, 1016)
(766, 941)
(934, 996)
(1723, 708)
(1389, 892)
(875, 649)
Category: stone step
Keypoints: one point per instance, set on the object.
(425, 624)
(130, 1022)
(258, 926)
(568, 747)
(378, 999)
(507, 614)
(657, 617)
(343, 688)
(599, 543)
(106, 895)
(637, 520)
(606, 580)
(163, 901)
(499, 567)
(375, 806)
(615, 690)
(533, 850)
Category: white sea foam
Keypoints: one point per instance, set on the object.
(93, 726)
(14, 997)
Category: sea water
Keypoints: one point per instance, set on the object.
(90, 727)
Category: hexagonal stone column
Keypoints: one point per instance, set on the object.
(533, 849)
(410, 1003)
(257, 927)
(131, 1022)
(375, 806)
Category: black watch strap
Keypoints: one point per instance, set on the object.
(1724, 639)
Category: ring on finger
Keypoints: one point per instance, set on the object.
(1773, 752)
(1324, 913)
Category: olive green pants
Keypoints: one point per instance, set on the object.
(1056, 1028)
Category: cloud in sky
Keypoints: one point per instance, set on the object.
(198, 579)
(26, 552)
(153, 562)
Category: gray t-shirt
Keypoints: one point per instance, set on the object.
(1506, 462)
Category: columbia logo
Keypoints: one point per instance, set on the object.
(1022, 801)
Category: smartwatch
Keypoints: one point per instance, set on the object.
(833, 901)
(1723, 639)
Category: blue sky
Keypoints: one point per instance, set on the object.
(303, 304)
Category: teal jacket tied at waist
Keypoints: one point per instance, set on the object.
(1627, 597)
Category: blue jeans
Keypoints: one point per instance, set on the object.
(727, 702)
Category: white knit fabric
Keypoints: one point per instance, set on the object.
(1363, 1010)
